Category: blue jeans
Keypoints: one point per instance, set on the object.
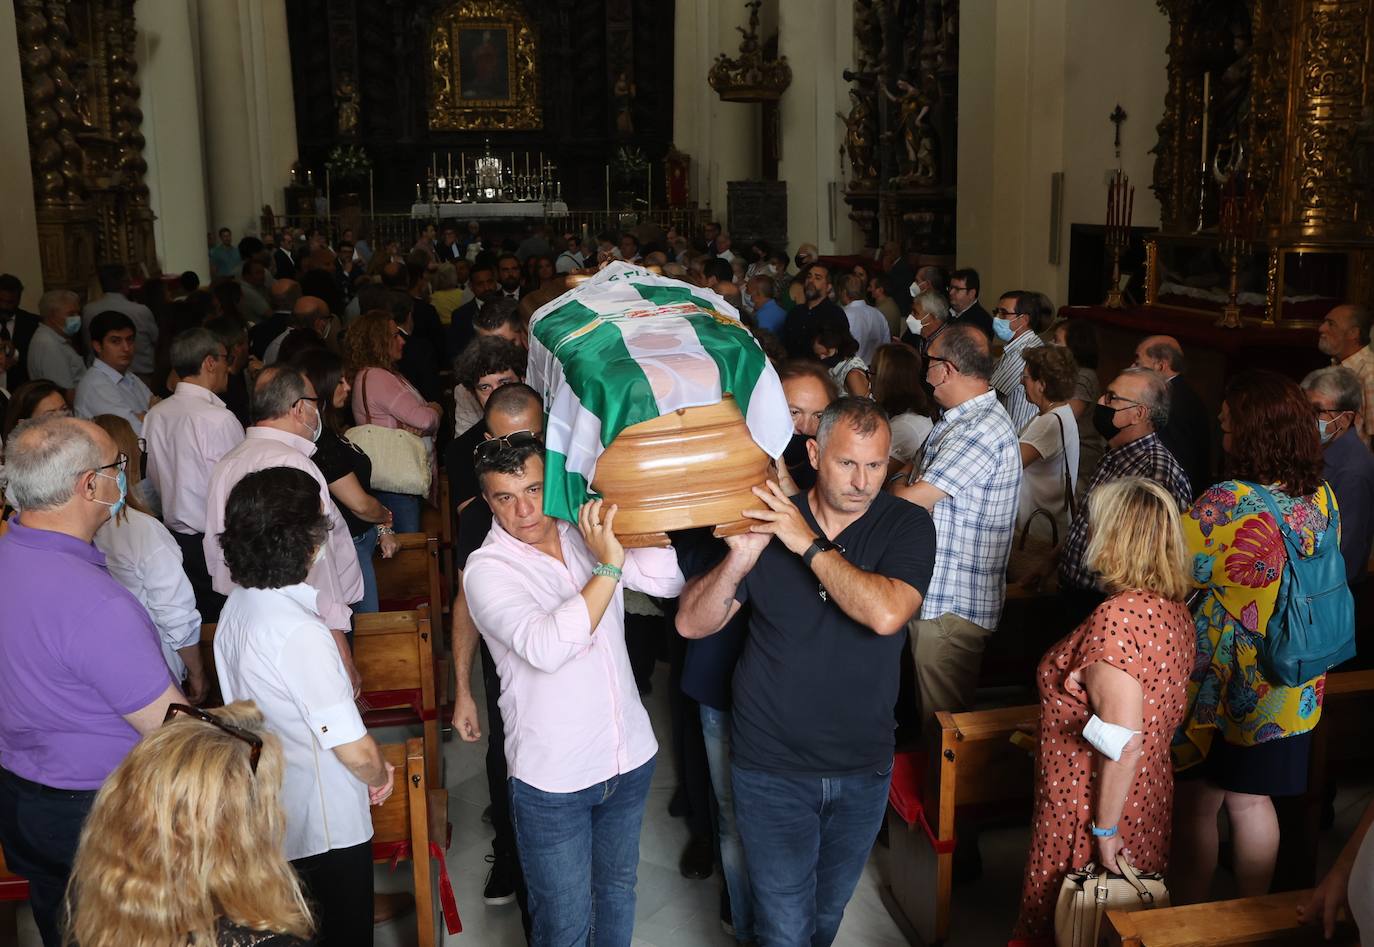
(580, 854)
(405, 510)
(715, 727)
(366, 545)
(806, 840)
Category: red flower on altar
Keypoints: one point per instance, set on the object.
(1256, 557)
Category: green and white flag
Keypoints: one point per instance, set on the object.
(628, 346)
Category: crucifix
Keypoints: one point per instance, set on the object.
(1117, 117)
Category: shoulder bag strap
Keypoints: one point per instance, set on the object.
(1069, 504)
(362, 390)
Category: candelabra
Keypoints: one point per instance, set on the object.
(1120, 204)
(1236, 224)
(489, 178)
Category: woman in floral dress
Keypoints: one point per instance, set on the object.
(1127, 665)
(1246, 739)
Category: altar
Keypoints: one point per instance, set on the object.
(490, 210)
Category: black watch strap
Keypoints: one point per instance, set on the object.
(820, 545)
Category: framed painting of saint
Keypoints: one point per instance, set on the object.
(485, 68)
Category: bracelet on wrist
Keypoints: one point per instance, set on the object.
(1109, 832)
(608, 570)
(385, 531)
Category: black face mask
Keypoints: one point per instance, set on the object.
(798, 461)
(1104, 421)
(799, 260)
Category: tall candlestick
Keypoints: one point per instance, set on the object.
(1206, 110)
(608, 188)
(450, 165)
(433, 164)
(1130, 205)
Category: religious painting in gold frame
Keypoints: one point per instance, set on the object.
(484, 68)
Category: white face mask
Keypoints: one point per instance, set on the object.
(914, 290)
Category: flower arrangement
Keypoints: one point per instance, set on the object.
(348, 163)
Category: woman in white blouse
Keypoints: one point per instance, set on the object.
(142, 556)
(272, 647)
(897, 377)
(1049, 444)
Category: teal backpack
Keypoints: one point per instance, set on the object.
(1313, 626)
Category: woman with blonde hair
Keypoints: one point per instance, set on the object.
(183, 845)
(382, 396)
(142, 556)
(1111, 696)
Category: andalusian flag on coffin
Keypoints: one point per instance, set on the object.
(628, 346)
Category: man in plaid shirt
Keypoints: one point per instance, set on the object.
(969, 479)
(1127, 416)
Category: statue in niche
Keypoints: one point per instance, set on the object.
(911, 113)
(347, 100)
(623, 97)
(860, 128)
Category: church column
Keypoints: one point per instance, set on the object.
(171, 125)
(19, 236)
(248, 110)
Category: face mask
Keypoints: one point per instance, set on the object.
(1323, 430)
(72, 326)
(1002, 328)
(914, 290)
(914, 325)
(318, 429)
(799, 260)
(122, 480)
(1104, 421)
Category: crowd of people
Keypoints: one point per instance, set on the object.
(177, 455)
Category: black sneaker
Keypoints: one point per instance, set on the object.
(500, 887)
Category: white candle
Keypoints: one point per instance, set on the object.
(1206, 110)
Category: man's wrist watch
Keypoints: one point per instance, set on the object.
(819, 545)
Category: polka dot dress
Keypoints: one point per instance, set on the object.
(1152, 639)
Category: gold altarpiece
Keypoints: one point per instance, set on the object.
(85, 139)
(1289, 113)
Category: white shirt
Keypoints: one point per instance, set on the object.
(145, 327)
(52, 357)
(1042, 483)
(187, 434)
(142, 556)
(1006, 379)
(909, 432)
(466, 410)
(271, 647)
(568, 261)
(726, 255)
(336, 574)
(102, 390)
(869, 328)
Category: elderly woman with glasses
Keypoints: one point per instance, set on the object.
(272, 647)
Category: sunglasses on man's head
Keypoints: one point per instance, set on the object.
(252, 739)
(488, 448)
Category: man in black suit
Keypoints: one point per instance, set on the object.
(283, 261)
(804, 322)
(482, 282)
(1188, 432)
(284, 293)
(449, 249)
(964, 306)
(17, 327)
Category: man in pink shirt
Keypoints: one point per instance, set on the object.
(546, 596)
(284, 436)
(186, 435)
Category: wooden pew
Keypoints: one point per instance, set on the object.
(440, 521)
(411, 577)
(395, 657)
(1271, 919)
(413, 824)
(975, 766)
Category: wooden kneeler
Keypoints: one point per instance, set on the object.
(1270, 919)
(413, 824)
(394, 655)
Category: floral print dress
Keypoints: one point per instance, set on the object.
(1238, 557)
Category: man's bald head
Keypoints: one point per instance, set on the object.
(310, 312)
(514, 407)
(1161, 353)
(284, 294)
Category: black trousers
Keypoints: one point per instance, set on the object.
(497, 783)
(208, 601)
(338, 883)
(39, 830)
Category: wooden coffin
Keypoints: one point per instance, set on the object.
(694, 467)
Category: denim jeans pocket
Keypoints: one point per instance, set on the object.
(886, 770)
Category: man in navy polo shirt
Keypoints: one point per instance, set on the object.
(831, 577)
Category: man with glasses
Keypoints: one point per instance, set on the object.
(969, 479)
(187, 434)
(288, 424)
(1015, 322)
(546, 596)
(1128, 416)
(963, 301)
(82, 675)
(1336, 395)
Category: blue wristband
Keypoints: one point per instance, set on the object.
(1103, 833)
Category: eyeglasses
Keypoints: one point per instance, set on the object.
(247, 736)
(1113, 396)
(936, 358)
(122, 462)
(1006, 313)
(488, 448)
(958, 289)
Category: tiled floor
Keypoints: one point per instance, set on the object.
(673, 911)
